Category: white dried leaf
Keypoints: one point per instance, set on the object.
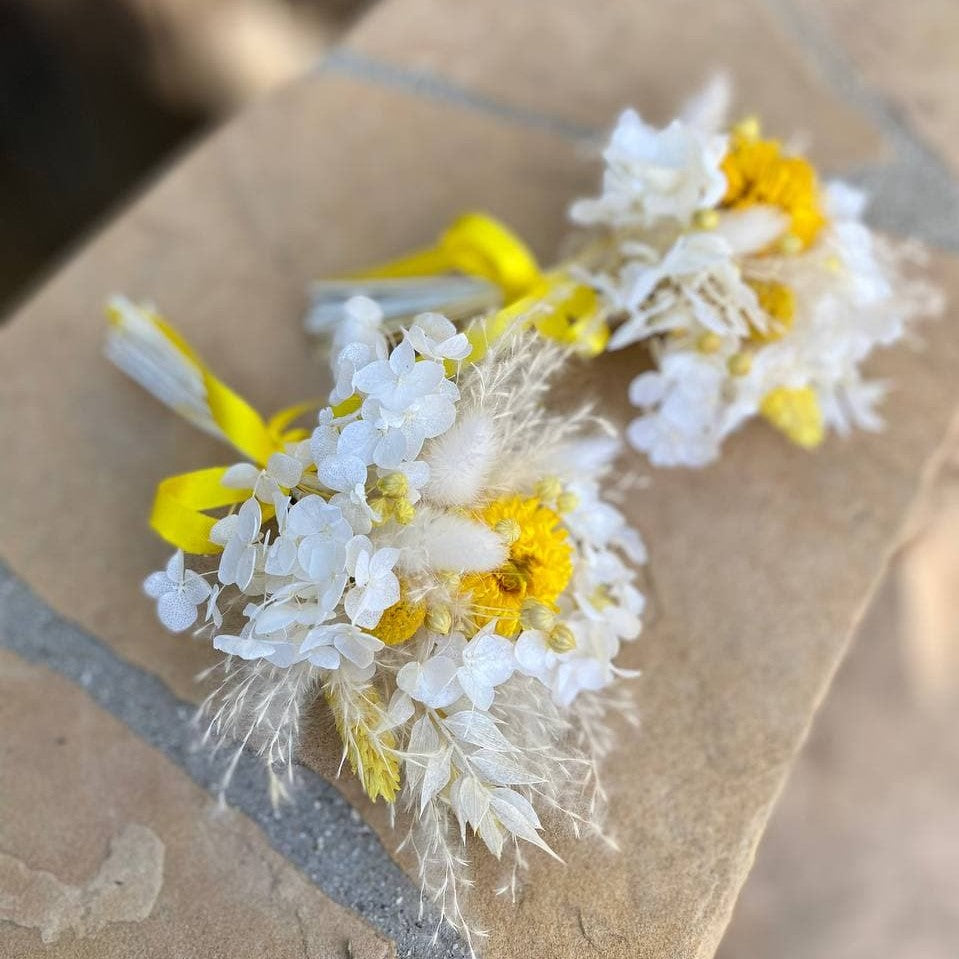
(477, 729)
(424, 739)
(436, 777)
(520, 804)
(492, 835)
(516, 815)
(470, 800)
(502, 770)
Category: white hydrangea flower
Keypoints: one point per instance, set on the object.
(280, 556)
(534, 657)
(341, 472)
(327, 646)
(399, 435)
(655, 175)
(357, 338)
(401, 380)
(360, 322)
(353, 504)
(432, 335)
(487, 662)
(322, 534)
(372, 440)
(684, 423)
(432, 683)
(599, 523)
(349, 360)
(244, 646)
(459, 667)
(178, 592)
(239, 534)
(588, 666)
(375, 585)
(282, 472)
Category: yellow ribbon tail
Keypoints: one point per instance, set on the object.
(475, 244)
(279, 423)
(178, 508)
(576, 319)
(182, 502)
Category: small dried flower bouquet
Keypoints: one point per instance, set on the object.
(755, 287)
(434, 559)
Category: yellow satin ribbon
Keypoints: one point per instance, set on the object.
(180, 506)
(476, 244)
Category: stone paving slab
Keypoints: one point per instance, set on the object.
(908, 51)
(862, 852)
(107, 849)
(762, 564)
(556, 58)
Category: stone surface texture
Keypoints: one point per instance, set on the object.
(762, 565)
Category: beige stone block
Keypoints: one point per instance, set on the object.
(107, 849)
(861, 855)
(583, 62)
(908, 53)
(760, 564)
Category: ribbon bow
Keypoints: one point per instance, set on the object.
(478, 245)
(153, 352)
(180, 505)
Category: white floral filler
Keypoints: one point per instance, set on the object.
(758, 290)
(442, 569)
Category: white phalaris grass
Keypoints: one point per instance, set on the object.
(437, 562)
(758, 290)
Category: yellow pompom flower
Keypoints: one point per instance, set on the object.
(796, 413)
(539, 565)
(757, 171)
(400, 621)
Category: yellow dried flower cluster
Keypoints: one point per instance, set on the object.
(539, 565)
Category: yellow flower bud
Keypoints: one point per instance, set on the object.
(439, 619)
(739, 364)
(394, 485)
(706, 219)
(403, 511)
(548, 489)
(382, 507)
(790, 244)
(561, 639)
(536, 615)
(567, 502)
(508, 530)
(748, 128)
(709, 343)
(452, 581)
